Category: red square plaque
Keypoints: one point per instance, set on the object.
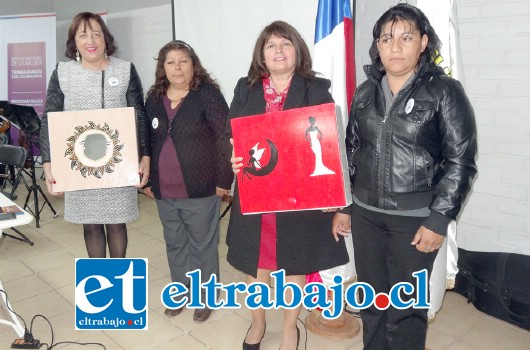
(293, 160)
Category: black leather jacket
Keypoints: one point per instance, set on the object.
(422, 154)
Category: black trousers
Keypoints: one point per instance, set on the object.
(384, 257)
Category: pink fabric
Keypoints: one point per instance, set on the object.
(314, 277)
(274, 102)
(267, 245)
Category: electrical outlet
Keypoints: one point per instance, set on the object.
(21, 344)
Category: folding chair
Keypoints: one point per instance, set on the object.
(14, 156)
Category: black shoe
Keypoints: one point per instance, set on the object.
(247, 346)
(173, 312)
(201, 315)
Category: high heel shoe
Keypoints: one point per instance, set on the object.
(247, 346)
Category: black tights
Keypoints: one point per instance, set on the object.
(96, 240)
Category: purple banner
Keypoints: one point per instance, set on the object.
(26, 83)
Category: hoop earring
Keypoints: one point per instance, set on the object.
(77, 56)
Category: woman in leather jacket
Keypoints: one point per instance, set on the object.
(411, 142)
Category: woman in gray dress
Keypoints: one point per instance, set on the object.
(94, 80)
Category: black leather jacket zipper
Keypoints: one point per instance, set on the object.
(382, 135)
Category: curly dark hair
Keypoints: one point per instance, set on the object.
(283, 30)
(415, 17)
(200, 74)
(83, 19)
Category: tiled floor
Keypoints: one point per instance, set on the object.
(40, 280)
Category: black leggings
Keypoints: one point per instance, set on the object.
(96, 240)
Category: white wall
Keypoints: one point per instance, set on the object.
(495, 40)
(224, 39)
(67, 9)
(19, 7)
(140, 34)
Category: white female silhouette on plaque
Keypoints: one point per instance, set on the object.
(314, 135)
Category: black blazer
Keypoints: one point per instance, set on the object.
(305, 243)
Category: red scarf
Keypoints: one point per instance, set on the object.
(274, 101)
(267, 256)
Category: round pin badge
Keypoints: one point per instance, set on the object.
(409, 106)
(113, 81)
(154, 123)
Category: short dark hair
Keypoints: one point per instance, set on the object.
(414, 16)
(200, 74)
(83, 19)
(283, 30)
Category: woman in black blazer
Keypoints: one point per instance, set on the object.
(300, 242)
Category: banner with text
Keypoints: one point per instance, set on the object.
(26, 81)
(27, 58)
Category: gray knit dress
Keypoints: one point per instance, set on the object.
(85, 89)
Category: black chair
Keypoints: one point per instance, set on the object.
(14, 156)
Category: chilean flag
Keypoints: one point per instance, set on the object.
(442, 15)
(334, 58)
(334, 51)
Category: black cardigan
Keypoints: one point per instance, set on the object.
(198, 135)
(305, 243)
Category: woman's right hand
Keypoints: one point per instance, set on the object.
(237, 162)
(341, 225)
(48, 177)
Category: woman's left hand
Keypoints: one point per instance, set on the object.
(143, 171)
(427, 241)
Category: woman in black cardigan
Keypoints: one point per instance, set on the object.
(187, 113)
(300, 242)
